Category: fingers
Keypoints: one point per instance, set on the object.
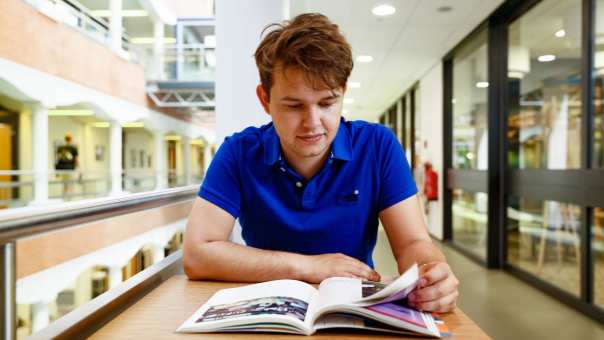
(438, 291)
(442, 305)
(360, 269)
(435, 291)
(432, 273)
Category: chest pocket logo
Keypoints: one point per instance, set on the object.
(349, 198)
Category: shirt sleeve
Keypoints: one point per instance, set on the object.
(222, 184)
(396, 180)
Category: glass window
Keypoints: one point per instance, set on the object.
(470, 93)
(544, 85)
(597, 246)
(392, 120)
(544, 239)
(598, 157)
(407, 132)
(470, 220)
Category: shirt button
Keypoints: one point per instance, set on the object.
(283, 169)
(299, 184)
(356, 192)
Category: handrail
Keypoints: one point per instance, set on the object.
(91, 316)
(22, 222)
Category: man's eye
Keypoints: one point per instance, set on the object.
(294, 106)
(326, 104)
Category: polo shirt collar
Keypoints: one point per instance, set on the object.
(272, 146)
(341, 147)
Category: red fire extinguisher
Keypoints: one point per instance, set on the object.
(430, 182)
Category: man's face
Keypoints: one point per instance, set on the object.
(305, 119)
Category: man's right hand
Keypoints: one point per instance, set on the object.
(316, 268)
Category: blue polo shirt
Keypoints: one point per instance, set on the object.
(336, 211)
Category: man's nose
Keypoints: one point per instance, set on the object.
(312, 117)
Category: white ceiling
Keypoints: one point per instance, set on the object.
(404, 45)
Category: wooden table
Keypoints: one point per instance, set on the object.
(159, 313)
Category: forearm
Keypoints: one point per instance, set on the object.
(420, 252)
(227, 261)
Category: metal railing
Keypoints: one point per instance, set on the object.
(182, 63)
(76, 15)
(19, 223)
(17, 186)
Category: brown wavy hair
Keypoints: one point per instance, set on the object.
(310, 42)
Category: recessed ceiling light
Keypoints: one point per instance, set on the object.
(383, 10)
(126, 13)
(560, 33)
(546, 58)
(354, 84)
(101, 124)
(482, 84)
(348, 100)
(364, 59)
(70, 112)
(133, 125)
(444, 9)
(151, 40)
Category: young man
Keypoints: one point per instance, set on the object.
(67, 159)
(309, 187)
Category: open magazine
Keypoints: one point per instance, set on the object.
(290, 306)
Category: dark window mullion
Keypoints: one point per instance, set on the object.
(447, 147)
(587, 86)
(497, 132)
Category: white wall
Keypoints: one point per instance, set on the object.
(238, 28)
(431, 122)
(95, 137)
(137, 140)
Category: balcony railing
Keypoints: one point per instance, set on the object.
(76, 15)
(21, 224)
(189, 62)
(17, 186)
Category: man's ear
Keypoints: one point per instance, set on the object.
(262, 97)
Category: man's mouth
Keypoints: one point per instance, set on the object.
(312, 138)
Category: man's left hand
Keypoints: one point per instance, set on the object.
(436, 290)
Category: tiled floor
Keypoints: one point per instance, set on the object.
(503, 306)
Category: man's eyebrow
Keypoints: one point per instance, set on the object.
(292, 99)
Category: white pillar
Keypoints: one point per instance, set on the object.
(236, 73)
(115, 160)
(186, 159)
(160, 161)
(115, 25)
(40, 153)
(115, 276)
(40, 316)
(158, 48)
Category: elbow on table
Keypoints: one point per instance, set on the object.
(193, 265)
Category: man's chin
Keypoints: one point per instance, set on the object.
(311, 152)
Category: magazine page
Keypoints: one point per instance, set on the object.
(336, 320)
(279, 306)
(348, 291)
(376, 292)
(398, 313)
